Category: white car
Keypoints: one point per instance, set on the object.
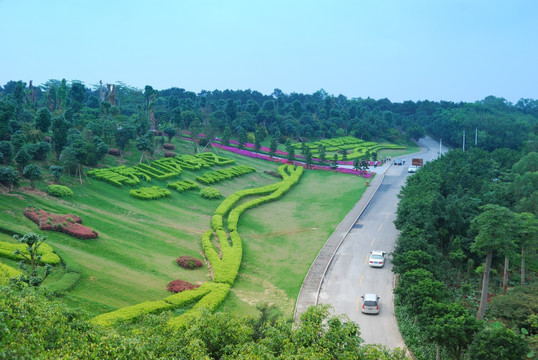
(370, 304)
(377, 258)
(412, 169)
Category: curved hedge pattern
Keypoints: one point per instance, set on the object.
(225, 261)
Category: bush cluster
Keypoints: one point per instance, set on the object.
(59, 191)
(7, 272)
(168, 146)
(119, 175)
(210, 193)
(177, 286)
(150, 193)
(189, 262)
(183, 185)
(69, 224)
(155, 173)
(169, 154)
(212, 177)
(114, 152)
(45, 251)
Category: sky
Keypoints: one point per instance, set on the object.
(452, 50)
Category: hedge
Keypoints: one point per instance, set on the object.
(212, 177)
(69, 280)
(7, 272)
(183, 185)
(149, 307)
(150, 193)
(45, 250)
(59, 191)
(215, 296)
(155, 173)
(119, 175)
(210, 193)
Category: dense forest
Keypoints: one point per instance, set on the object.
(466, 254)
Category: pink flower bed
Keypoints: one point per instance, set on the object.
(68, 224)
(251, 154)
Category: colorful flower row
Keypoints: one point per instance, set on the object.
(150, 193)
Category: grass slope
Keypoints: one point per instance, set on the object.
(134, 257)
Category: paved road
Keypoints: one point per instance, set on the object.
(340, 274)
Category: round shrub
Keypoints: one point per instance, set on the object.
(210, 193)
(114, 152)
(168, 146)
(169, 154)
(176, 286)
(59, 191)
(189, 262)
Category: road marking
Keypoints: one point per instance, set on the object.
(387, 216)
(360, 281)
(358, 302)
(380, 226)
(366, 260)
(373, 240)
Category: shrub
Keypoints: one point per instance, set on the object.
(150, 193)
(59, 191)
(168, 146)
(182, 185)
(177, 286)
(114, 152)
(169, 154)
(210, 193)
(189, 262)
(69, 223)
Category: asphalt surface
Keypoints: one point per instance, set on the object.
(340, 275)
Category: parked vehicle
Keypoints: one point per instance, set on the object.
(412, 169)
(370, 304)
(398, 162)
(377, 258)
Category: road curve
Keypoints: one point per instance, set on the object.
(340, 274)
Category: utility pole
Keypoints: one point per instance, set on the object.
(475, 136)
(463, 140)
(440, 142)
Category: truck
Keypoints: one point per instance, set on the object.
(417, 162)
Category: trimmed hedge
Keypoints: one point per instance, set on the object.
(212, 177)
(70, 278)
(150, 193)
(183, 185)
(156, 173)
(7, 272)
(59, 191)
(45, 250)
(119, 175)
(210, 193)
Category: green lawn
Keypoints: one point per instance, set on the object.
(133, 259)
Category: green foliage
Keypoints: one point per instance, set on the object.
(497, 342)
(212, 177)
(183, 185)
(210, 193)
(59, 191)
(45, 251)
(6, 273)
(150, 193)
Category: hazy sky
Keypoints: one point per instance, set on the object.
(456, 50)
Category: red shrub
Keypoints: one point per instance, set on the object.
(169, 154)
(168, 146)
(176, 286)
(69, 224)
(189, 262)
(114, 152)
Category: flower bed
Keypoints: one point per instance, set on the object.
(69, 224)
(189, 262)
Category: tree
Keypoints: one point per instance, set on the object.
(291, 151)
(56, 171)
(22, 159)
(61, 95)
(322, 153)
(273, 147)
(334, 163)
(495, 227)
(32, 172)
(308, 157)
(242, 139)
(6, 113)
(43, 120)
(8, 177)
(226, 136)
(6, 150)
(257, 143)
(527, 233)
(60, 127)
(496, 342)
(145, 145)
(123, 136)
(41, 151)
(33, 275)
(18, 140)
(344, 154)
(170, 132)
